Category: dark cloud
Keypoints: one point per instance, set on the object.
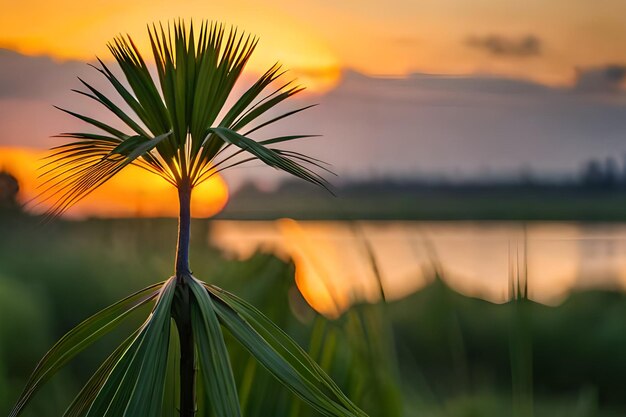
(30, 77)
(603, 80)
(30, 86)
(499, 45)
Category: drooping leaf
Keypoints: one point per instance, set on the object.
(135, 385)
(281, 355)
(79, 338)
(212, 354)
(269, 156)
(83, 400)
(76, 181)
(171, 394)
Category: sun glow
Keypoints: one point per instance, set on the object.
(133, 192)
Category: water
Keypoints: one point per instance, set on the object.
(338, 262)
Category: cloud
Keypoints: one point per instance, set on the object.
(458, 126)
(30, 86)
(505, 46)
(26, 77)
(603, 80)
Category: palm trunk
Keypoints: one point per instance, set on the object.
(182, 310)
(184, 231)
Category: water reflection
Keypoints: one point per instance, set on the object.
(334, 258)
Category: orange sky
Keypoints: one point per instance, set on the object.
(316, 38)
(70, 29)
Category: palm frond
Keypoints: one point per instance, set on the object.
(81, 403)
(78, 168)
(170, 121)
(269, 156)
(212, 354)
(79, 338)
(281, 355)
(136, 383)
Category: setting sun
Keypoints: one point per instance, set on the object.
(134, 192)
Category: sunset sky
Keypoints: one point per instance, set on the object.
(405, 86)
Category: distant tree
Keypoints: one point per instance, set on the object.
(595, 174)
(611, 172)
(9, 190)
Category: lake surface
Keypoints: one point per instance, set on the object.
(338, 262)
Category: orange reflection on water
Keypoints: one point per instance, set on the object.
(133, 192)
(321, 273)
(334, 268)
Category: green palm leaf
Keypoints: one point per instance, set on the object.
(212, 353)
(73, 178)
(79, 338)
(281, 355)
(85, 397)
(172, 128)
(135, 385)
(172, 379)
(269, 156)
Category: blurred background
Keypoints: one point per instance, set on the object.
(472, 261)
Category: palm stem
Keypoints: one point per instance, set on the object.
(184, 232)
(187, 354)
(182, 309)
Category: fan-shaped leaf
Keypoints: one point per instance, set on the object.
(195, 78)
